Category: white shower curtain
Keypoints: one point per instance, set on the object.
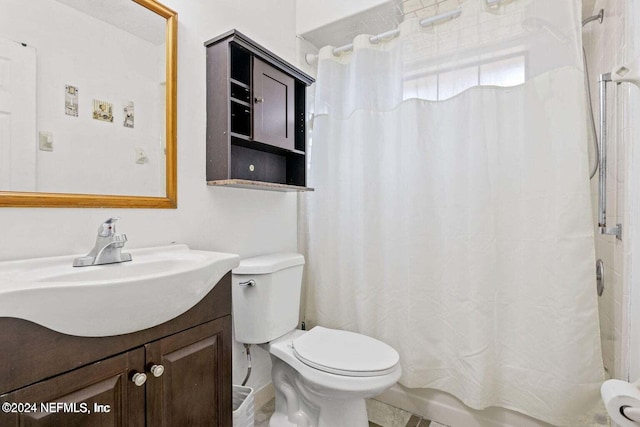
(452, 211)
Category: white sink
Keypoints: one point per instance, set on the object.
(159, 284)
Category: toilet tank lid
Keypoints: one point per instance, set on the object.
(266, 264)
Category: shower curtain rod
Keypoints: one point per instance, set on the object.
(310, 58)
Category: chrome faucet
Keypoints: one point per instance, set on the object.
(108, 247)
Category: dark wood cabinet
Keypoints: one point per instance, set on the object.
(192, 391)
(99, 395)
(90, 381)
(256, 125)
(273, 106)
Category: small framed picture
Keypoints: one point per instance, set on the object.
(102, 110)
(71, 100)
(129, 115)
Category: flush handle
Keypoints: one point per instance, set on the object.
(249, 283)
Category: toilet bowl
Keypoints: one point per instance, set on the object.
(319, 396)
(321, 376)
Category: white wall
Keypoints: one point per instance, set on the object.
(245, 222)
(106, 63)
(607, 45)
(633, 195)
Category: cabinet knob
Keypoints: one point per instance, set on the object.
(157, 370)
(258, 100)
(139, 378)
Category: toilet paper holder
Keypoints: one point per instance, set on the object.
(630, 413)
(622, 401)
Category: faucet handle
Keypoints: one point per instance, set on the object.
(108, 228)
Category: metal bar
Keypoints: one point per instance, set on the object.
(345, 48)
(602, 181)
(391, 33)
(442, 17)
(386, 35)
(602, 155)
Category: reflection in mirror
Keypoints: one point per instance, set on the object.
(83, 89)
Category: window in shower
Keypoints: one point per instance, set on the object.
(443, 84)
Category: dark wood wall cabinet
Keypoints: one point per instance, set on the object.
(256, 125)
(172, 375)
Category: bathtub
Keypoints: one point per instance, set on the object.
(445, 409)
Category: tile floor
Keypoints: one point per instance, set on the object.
(380, 415)
(261, 417)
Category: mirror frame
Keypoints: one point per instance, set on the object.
(170, 201)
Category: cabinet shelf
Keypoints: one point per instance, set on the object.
(239, 83)
(237, 101)
(258, 185)
(240, 136)
(256, 110)
(248, 142)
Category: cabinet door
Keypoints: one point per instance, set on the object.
(274, 107)
(100, 394)
(195, 388)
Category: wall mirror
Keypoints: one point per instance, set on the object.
(88, 103)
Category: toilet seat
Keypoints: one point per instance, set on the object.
(345, 353)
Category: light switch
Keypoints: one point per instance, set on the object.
(45, 141)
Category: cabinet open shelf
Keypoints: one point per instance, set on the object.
(248, 142)
(257, 162)
(237, 101)
(257, 185)
(239, 83)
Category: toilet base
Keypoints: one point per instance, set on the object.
(282, 420)
(300, 404)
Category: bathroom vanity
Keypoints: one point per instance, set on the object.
(193, 386)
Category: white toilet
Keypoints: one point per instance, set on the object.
(321, 376)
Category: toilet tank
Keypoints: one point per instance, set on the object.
(269, 306)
